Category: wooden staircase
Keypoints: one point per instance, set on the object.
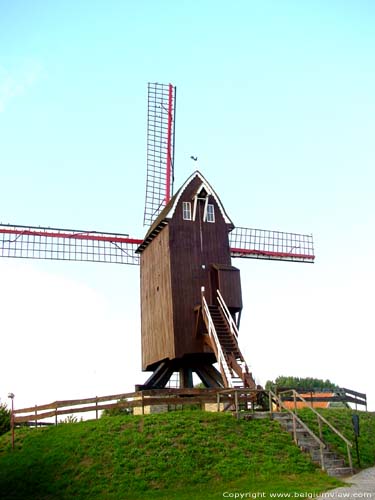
(222, 336)
(320, 453)
(227, 340)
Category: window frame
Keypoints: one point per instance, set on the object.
(186, 210)
(210, 213)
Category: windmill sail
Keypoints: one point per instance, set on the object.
(67, 244)
(271, 245)
(94, 246)
(160, 149)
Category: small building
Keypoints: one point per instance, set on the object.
(316, 400)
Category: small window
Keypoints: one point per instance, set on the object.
(210, 213)
(186, 210)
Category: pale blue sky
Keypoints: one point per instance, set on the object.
(276, 98)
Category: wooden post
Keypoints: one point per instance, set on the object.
(322, 457)
(295, 429)
(96, 407)
(143, 408)
(56, 415)
(218, 400)
(36, 416)
(320, 428)
(321, 446)
(270, 403)
(12, 424)
(236, 403)
(349, 457)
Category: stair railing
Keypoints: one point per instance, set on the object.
(233, 327)
(223, 365)
(321, 420)
(296, 419)
(228, 316)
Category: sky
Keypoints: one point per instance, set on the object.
(276, 98)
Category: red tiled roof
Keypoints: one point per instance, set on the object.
(315, 404)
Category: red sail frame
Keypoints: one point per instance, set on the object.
(160, 149)
(67, 244)
(94, 246)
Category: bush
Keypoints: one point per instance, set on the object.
(4, 419)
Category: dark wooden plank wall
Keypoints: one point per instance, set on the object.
(174, 267)
(156, 302)
(229, 283)
(194, 244)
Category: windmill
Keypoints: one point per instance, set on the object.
(191, 298)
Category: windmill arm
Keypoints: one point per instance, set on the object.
(271, 245)
(67, 244)
(160, 149)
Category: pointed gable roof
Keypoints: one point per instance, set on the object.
(169, 210)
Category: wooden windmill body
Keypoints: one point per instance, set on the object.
(185, 252)
(190, 293)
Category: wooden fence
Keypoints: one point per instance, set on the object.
(341, 395)
(157, 400)
(142, 401)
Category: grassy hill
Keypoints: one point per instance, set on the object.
(177, 455)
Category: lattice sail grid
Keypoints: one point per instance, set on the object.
(272, 245)
(66, 244)
(160, 148)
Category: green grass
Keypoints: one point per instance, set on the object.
(342, 420)
(178, 455)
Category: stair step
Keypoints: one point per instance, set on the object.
(281, 416)
(302, 432)
(299, 429)
(328, 455)
(339, 471)
(332, 464)
(308, 444)
(256, 415)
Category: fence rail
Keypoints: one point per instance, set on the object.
(224, 399)
(340, 395)
(140, 399)
(320, 419)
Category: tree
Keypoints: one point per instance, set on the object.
(300, 383)
(4, 419)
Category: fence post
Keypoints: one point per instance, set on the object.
(321, 446)
(96, 407)
(56, 415)
(295, 429)
(322, 457)
(11, 396)
(320, 428)
(12, 427)
(236, 403)
(270, 402)
(349, 457)
(218, 400)
(36, 416)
